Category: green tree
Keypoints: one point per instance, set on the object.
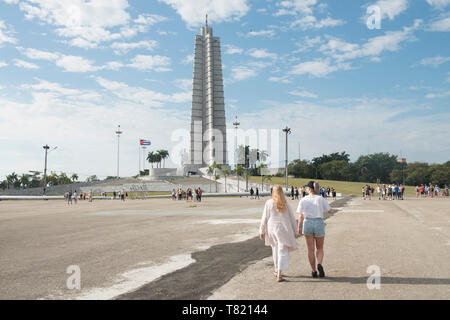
(335, 170)
(74, 177)
(164, 155)
(212, 170)
(24, 180)
(417, 173)
(376, 166)
(151, 158)
(301, 169)
(92, 178)
(440, 174)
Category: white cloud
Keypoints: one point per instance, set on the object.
(76, 64)
(307, 43)
(240, 73)
(318, 68)
(193, 11)
(141, 95)
(304, 94)
(261, 54)
(3, 64)
(311, 22)
(392, 8)
(439, 4)
(86, 23)
(390, 41)
(188, 59)
(24, 64)
(53, 87)
(231, 49)
(283, 79)
(150, 19)
(434, 61)
(261, 33)
(442, 24)
(5, 34)
(36, 54)
(113, 65)
(124, 47)
(11, 1)
(440, 95)
(295, 6)
(156, 63)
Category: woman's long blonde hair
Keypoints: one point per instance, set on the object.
(279, 200)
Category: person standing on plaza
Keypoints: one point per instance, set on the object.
(75, 196)
(257, 194)
(251, 193)
(311, 209)
(296, 193)
(292, 192)
(278, 229)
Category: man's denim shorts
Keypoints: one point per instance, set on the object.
(314, 227)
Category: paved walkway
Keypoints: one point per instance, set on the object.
(409, 241)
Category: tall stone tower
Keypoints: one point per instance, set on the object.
(208, 128)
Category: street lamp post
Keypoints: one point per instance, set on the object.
(287, 130)
(118, 132)
(46, 147)
(236, 124)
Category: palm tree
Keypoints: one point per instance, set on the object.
(225, 173)
(158, 159)
(212, 170)
(151, 157)
(12, 179)
(164, 155)
(74, 177)
(24, 180)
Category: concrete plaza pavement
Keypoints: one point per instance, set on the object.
(139, 249)
(408, 240)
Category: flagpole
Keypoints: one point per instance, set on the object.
(139, 150)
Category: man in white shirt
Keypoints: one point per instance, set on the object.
(311, 209)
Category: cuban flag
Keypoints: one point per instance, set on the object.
(143, 142)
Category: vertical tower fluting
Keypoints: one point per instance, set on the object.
(208, 127)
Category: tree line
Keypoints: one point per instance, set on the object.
(376, 168)
(35, 179)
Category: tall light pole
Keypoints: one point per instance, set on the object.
(144, 157)
(287, 130)
(118, 132)
(46, 147)
(236, 125)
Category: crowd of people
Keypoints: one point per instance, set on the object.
(397, 191)
(324, 192)
(73, 197)
(384, 192)
(431, 191)
(187, 194)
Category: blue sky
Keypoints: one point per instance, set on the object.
(71, 71)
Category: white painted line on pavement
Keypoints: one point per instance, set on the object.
(362, 211)
(229, 221)
(136, 278)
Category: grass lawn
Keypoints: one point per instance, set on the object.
(343, 187)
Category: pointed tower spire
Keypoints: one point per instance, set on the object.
(206, 19)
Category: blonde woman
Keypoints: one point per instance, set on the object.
(278, 229)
